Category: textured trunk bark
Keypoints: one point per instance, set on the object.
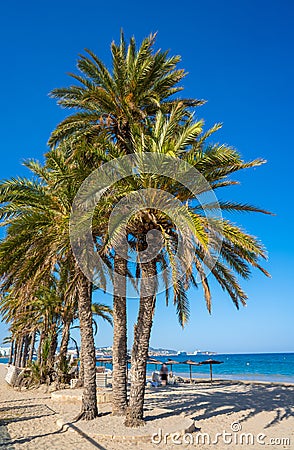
(32, 346)
(64, 342)
(25, 351)
(11, 352)
(142, 331)
(81, 370)
(89, 400)
(19, 352)
(53, 348)
(15, 351)
(62, 361)
(119, 348)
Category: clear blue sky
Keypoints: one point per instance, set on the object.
(239, 56)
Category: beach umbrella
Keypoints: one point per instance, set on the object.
(210, 362)
(170, 363)
(154, 361)
(103, 360)
(191, 363)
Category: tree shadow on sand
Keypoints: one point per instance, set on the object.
(28, 412)
(5, 438)
(21, 400)
(257, 398)
(21, 413)
(10, 443)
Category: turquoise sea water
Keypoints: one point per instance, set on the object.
(256, 366)
(277, 367)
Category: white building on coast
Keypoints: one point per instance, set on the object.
(4, 351)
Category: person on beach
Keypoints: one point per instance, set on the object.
(155, 380)
(163, 374)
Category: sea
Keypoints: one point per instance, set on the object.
(276, 367)
(271, 367)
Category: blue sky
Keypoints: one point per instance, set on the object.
(239, 56)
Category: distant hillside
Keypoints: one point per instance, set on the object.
(152, 349)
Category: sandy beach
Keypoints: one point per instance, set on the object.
(234, 415)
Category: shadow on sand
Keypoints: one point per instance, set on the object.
(254, 397)
(5, 438)
(27, 412)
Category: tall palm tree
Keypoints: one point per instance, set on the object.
(141, 82)
(30, 312)
(106, 105)
(37, 214)
(184, 140)
(12, 312)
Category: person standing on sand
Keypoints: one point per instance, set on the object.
(163, 374)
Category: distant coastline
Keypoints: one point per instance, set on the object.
(261, 367)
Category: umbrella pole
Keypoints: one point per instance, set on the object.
(190, 373)
(210, 373)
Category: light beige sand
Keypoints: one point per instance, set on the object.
(28, 419)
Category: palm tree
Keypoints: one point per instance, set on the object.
(142, 81)
(184, 140)
(175, 139)
(106, 106)
(37, 214)
(132, 112)
(18, 313)
(27, 315)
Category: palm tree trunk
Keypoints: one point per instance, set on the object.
(64, 344)
(53, 346)
(11, 352)
(64, 339)
(19, 352)
(32, 346)
(119, 348)
(142, 331)
(39, 357)
(15, 351)
(25, 350)
(80, 383)
(89, 400)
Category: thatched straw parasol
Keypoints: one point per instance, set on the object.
(154, 361)
(191, 363)
(210, 362)
(104, 360)
(171, 362)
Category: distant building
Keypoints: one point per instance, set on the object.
(103, 351)
(4, 351)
